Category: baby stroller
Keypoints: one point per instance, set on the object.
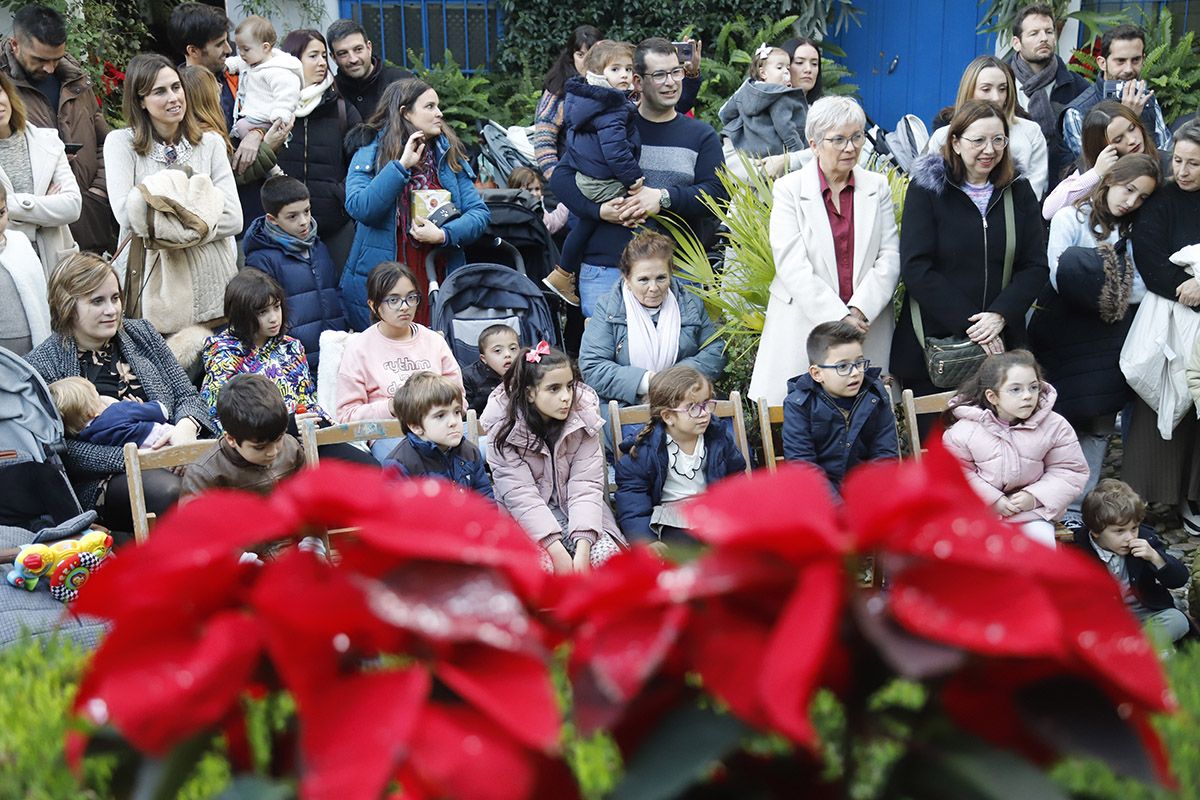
(499, 156)
(518, 223)
(478, 295)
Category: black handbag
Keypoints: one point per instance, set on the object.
(950, 360)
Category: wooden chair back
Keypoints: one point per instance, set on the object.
(914, 407)
(769, 417)
(312, 437)
(730, 409)
(137, 461)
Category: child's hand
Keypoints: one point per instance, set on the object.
(583, 556)
(636, 186)
(775, 166)
(1023, 500)
(1004, 506)
(414, 150)
(1142, 549)
(164, 439)
(659, 549)
(560, 559)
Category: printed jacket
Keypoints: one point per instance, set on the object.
(281, 359)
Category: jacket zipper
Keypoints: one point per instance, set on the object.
(990, 206)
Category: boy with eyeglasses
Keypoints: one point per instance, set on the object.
(838, 415)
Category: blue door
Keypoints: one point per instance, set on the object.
(909, 54)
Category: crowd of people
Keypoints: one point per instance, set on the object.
(270, 197)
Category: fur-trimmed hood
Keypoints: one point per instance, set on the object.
(930, 169)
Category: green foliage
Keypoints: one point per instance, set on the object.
(514, 97)
(1172, 70)
(311, 11)
(465, 99)
(999, 15)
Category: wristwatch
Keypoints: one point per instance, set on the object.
(665, 200)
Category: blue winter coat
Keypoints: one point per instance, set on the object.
(462, 465)
(816, 430)
(604, 351)
(314, 301)
(640, 477)
(602, 133)
(371, 202)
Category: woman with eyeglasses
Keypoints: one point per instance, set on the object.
(648, 322)
(833, 234)
(989, 78)
(161, 135)
(379, 360)
(967, 215)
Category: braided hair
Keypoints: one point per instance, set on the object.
(668, 389)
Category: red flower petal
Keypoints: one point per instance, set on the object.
(727, 649)
(513, 689)
(622, 654)
(460, 753)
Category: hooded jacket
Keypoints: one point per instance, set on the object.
(952, 263)
(603, 141)
(462, 465)
(765, 119)
(526, 479)
(817, 430)
(270, 90)
(364, 93)
(316, 155)
(641, 476)
(1040, 455)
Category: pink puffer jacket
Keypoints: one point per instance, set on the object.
(1040, 455)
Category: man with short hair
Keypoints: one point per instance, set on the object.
(1122, 53)
(58, 94)
(201, 33)
(361, 75)
(679, 160)
(1044, 83)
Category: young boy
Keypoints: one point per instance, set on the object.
(1114, 533)
(284, 245)
(498, 348)
(269, 80)
(89, 417)
(255, 452)
(429, 408)
(838, 414)
(603, 146)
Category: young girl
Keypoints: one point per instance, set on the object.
(547, 462)
(676, 456)
(531, 181)
(1019, 456)
(379, 360)
(764, 120)
(1080, 322)
(1110, 130)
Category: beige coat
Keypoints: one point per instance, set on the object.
(804, 291)
(1193, 375)
(43, 217)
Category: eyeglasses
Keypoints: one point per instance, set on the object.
(845, 368)
(395, 301)
(840, 142)
(1019, 391)
(659, 78)
(998, 142)
(698, 410)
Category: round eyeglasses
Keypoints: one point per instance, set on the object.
(395, 301)
(697, 410)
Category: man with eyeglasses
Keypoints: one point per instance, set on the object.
(679, 160)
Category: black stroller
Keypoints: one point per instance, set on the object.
(516, 221)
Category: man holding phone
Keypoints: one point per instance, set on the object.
(59, 95)
(1122, 55)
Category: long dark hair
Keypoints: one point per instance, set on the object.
(140, 75)
(247, 294)
(990, 377)
(388, 125)
(1128, 168)
(668, 389)
(790, 47)
(1094, 135)
(522, 376)
(564, 66)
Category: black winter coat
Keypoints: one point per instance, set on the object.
(1149, 585)
(479, 380)
(364, 94)
(952, 262)
(316, 156)
(462, 465)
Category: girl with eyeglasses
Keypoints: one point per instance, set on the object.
(677, 455)
(1020, 456)
(379, 360)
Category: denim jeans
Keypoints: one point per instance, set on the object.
(595, 282)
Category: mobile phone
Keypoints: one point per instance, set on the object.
(685, 50)
(72, 148)
(1112, 89)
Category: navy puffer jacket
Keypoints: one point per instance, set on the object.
(314, 301)
(602, 133)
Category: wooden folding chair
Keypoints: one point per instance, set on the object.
(914, 407)
(312, 437)
(768, 417)
(136, 461)
(730, 409)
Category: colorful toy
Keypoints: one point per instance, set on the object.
(66, 565)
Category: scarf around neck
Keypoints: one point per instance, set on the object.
(310, 96)
(291, 244)
(652, 347)
(1033, 84)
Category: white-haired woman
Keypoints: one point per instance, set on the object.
(837, 257)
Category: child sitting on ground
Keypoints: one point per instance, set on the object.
(530, 180)
(498, 348)
(255, 452)
(89, 417)
(1020, 456)
(269, 80)
(603, 146)
(429, 408)
(838, 414)
(765, 117)
(1114, 533)
(680, 452)
(284, 244)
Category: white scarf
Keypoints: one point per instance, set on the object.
(310, 96)
(652, 347)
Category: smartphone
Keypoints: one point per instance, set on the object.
(685, 50)
(72, 148)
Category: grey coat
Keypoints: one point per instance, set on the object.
(163, 380)
(604, 351)
(765, 119)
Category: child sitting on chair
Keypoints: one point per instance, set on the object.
(255, 453)
(498, 348)
(680, 452)
(89, 417)
(429, 408)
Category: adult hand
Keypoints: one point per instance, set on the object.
(278, 134)
(692, 68)
(987, 326)
(645, 203)
(1135, 96)
(583, 556)
(426, 232)
(560, 559)
(858, 319)
(1140, 548)
(414, 150)
(1105, 161)
(775, 166)
(247, 152)
(184, 433)
(1188, 292)
(611, 211)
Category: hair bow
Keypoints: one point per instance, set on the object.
(763, 51)
(534, 356)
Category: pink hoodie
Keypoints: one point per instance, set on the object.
(1040, 455)
(373, 367)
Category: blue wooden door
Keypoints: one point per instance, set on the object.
(908, 55)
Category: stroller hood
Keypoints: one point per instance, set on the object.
(29, 423)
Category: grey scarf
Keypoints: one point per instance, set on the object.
(1033, 85)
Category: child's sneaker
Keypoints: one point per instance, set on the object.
(562, 283)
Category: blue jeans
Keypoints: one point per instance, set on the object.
(595, 282)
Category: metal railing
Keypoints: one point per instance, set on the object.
(470, 29)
